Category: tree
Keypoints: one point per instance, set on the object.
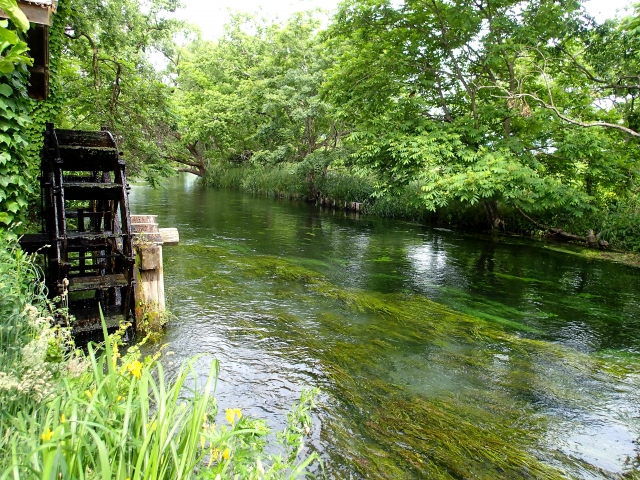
(254, 96)
(473, 99)
(109, 69)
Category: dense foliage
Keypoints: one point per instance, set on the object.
(526, 109)
(486, 102)
(14, 108)
(254, 97)
(107, 64)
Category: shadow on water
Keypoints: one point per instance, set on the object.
(439, 355)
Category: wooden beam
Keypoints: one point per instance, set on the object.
(35, 12)
(170, 236)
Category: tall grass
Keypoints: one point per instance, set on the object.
(283, 181)
(338, 186)
(67, 414)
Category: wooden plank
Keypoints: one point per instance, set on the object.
(92, 191)
(81, 138)
(98, 282)
(151, 257)
(88, 158)
(149, 289)
(144, 219)
(147, 238)
(74, 214)
(144, 228)
(160, 284)
(92, 235)
(170, 236)
(88, 319)
(36, 242)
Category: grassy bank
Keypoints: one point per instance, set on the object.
(100, 414)
(337, 187)
(617, 223)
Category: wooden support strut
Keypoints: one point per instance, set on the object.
(149, 273)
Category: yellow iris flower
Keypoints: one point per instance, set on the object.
(231, 415)
(47, 435)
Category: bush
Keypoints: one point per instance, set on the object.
(620, 226)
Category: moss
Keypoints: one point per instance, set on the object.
(522, 279)
(625, 258)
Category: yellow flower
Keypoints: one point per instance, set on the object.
(89, 393)
(119, 397)
(231, 415)
(47, 435)
(116, 355)
(225, 454)
(202, 442)
(135, 368)
(213, 456)
(62, 418)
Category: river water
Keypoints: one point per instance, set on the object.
(438, 354)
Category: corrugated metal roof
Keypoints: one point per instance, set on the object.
(52, 4)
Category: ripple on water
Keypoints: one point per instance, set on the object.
(538, 379)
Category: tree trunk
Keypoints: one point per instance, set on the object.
(591, 240)
(493, 216)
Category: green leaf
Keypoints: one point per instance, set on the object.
(12, 207)
(8, 36)
(6, 66)
(6, 218)
(16, 15)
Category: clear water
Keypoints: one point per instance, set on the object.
(438, 354)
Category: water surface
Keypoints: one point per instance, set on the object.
(438, 354)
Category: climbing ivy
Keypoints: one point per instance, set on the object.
(14, 117)
(49, 110)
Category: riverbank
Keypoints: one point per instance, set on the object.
(630, 259)
(69, 413)
(618, 224)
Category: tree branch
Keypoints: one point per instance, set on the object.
(94, 61)
(556, 231)
(561, 116)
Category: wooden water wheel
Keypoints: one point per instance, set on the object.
(86, 234)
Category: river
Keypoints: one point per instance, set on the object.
(438, 354)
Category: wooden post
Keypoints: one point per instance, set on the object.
(149, 289)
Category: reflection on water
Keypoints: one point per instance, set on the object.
(438, 354)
